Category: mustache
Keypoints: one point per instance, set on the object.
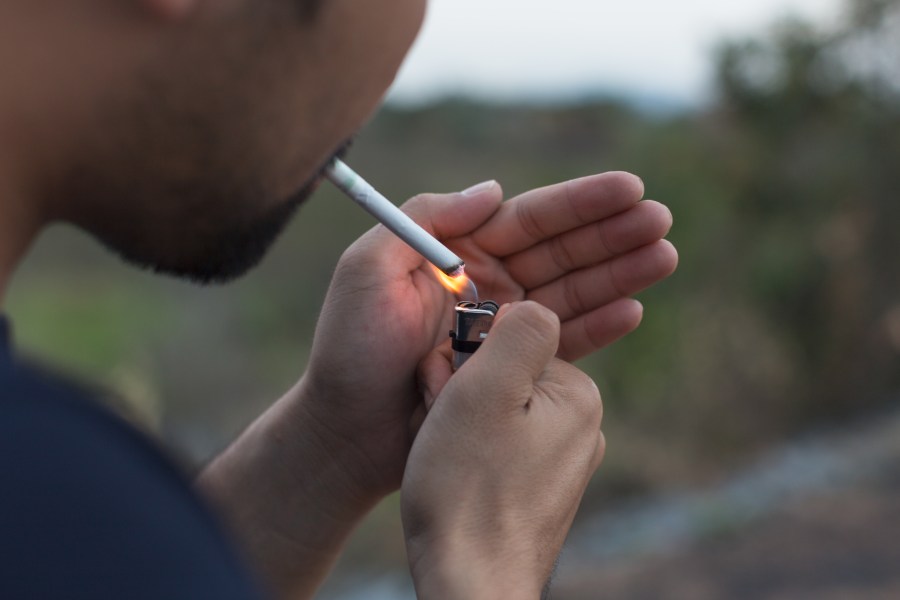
(315, 180)
(339, 153)
(312, 184)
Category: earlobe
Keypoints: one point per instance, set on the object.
(171, 10)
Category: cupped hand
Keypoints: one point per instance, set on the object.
(500, 465)
(580, 248)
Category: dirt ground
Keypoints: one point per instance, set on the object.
(839, 545)
(815, 519)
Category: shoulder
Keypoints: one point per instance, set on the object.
(88, 504)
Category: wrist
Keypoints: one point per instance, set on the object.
(289, 455)
(349, 439)
(453, 570)
(286, 489)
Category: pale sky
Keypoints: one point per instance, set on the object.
(559, 48)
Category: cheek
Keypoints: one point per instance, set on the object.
(330, 80)
(366, 42)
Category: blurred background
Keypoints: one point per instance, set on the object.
(753, 421)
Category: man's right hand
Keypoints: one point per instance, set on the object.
(501, 462)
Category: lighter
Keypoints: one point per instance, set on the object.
(473, 322)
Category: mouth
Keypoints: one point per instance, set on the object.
(312, 184)
(338, 154)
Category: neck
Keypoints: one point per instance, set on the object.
(18, 224)
(43, 98)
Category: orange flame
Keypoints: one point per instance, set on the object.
(458, 285)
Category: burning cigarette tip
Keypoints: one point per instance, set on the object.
(458, 272)
(461, 285)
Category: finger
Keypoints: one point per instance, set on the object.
(599, 328)
(523, 340)
(434, 372)
(417, 419)
(541, 214)
(443, 215)
(591, 244)
(600, 452)
(452, 215)
(583, 291)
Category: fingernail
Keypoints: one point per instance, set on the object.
(481, 187)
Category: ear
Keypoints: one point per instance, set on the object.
(171, 10)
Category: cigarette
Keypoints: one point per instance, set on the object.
(394, 219)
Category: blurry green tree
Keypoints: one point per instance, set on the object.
(818, 116)
(786, 202)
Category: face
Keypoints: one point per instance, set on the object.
(199, 156)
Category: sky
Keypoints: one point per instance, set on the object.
(563, 49)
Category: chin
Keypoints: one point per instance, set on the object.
(220, 253)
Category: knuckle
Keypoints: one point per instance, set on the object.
(582, 395)
(562, 255)
(350, 259)
(588, 401)
(528, 220)
(416, 205)
(361, 259)
(418, 199)
(572, 295)
(591, 409)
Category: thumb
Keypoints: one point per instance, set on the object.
(522, 341)
(447, 216)
(433, 373)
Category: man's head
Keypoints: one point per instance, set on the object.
(183, 133)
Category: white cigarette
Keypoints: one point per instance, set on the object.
(393, 218)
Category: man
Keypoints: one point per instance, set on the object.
(182, 134)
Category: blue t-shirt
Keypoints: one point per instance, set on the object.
(91, 509)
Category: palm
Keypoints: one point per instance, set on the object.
(580, 249)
